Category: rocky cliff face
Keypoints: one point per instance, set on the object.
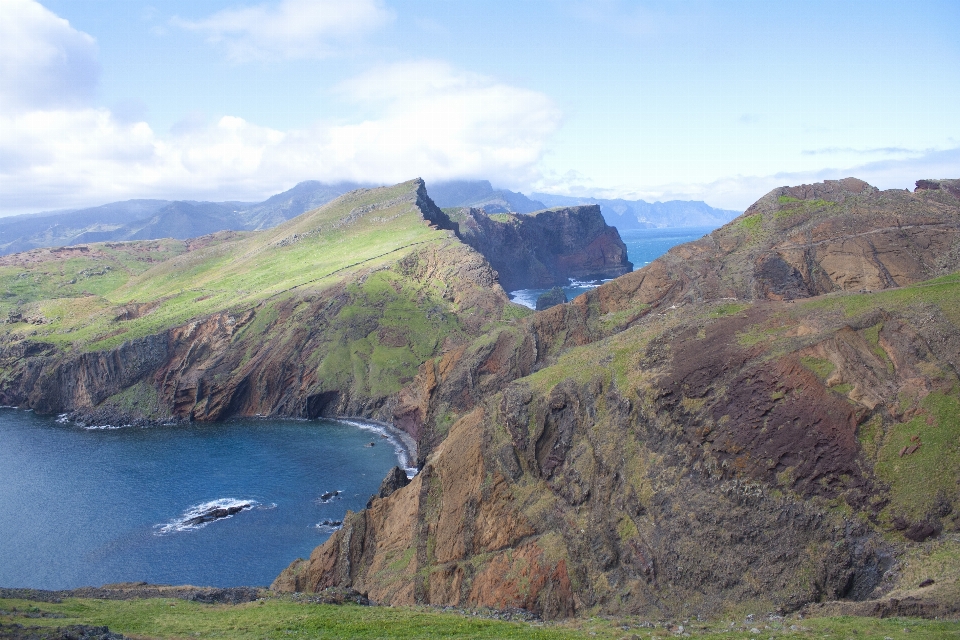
(343, 347)
(547, 248)
(767, 417)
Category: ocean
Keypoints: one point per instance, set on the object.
(91, 506)
(643, 247)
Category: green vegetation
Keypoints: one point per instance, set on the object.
(288, 618)
(823, 368)
(791, 206)
(918, 478)
(943, 292)
(752, 224)
(75, 300)
(377, 341)
(727, 309)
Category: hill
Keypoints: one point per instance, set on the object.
(639, 214)
(767, 418)
(154, 219)
(546, 248)
(370, 286)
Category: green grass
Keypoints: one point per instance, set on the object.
(916, 479)
(727, 309)
(943, 292)
(752, 224)
(820, 366)
(232, 272)
(286, 618)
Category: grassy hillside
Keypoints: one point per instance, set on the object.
(76, 296)
(765, 418)
(332, 311)
(288, 618)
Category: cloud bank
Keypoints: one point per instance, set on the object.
(44, 62)
(424, 118)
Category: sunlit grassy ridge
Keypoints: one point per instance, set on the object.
(75, 301)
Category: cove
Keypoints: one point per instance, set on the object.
(92, 506)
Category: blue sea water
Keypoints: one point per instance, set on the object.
(643, 247)
(94, 506)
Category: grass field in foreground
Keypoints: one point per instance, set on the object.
(285, 618)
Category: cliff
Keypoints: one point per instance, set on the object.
(328, 314)
(767, 417)
(546, 248)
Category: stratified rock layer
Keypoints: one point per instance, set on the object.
(765, 417)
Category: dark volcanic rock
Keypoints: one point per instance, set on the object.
(395, 479)
(546, 248)
(216, 513)
(551, 299)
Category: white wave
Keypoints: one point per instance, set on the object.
(400, 448)
(329, 526)
(103, 427)
(195, 517)
(329, 496)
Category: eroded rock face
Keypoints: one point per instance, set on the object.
(547, 248)
(686, 437)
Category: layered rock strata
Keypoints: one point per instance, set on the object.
(766, 417)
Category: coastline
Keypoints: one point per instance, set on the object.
(403, 442)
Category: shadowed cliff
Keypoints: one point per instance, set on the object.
(547, 248)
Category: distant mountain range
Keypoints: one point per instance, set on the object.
(623, 214)
(150, 219)
(480, 194)
(639, 214)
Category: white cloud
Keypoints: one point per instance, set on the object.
(426, 119)
(291, 29)
(44, 62)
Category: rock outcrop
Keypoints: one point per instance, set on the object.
(713, 429)
(551, 299)
(546, 248)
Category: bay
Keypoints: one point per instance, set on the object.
(84, 506)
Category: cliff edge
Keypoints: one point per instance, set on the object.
(767, 417)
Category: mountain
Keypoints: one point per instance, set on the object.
(153, 219)
(761, 420)
(766, 418)
(290, 204)
(638, 214)
(480, 194)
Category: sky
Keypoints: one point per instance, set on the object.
(721, 101)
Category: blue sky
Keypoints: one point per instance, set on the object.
(102, 100)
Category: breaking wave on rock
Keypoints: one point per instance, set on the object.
(199, 516)
(404, 450)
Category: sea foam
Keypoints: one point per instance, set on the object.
(200, 515)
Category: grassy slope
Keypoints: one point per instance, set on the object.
(76, 299)
(913, 482)
(166, 618)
